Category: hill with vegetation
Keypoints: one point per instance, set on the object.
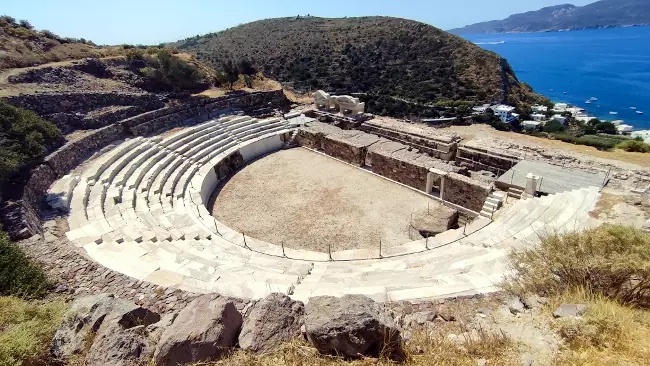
(21, 45)
(601, 14)
(377, 56)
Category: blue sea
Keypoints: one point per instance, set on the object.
(612, 65)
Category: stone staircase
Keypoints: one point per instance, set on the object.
(516, 193)
(491, 205)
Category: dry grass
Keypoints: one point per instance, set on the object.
(26, 329)
(608, 334)
(423, 349)
(611, 260)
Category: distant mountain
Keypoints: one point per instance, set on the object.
(601, 14)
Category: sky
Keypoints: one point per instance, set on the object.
(156, 21)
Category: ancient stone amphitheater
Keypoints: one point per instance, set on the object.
(140, 209)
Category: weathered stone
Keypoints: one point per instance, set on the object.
(272, 321)
(515, 305)
(122, 339)
(420, 318)
(84, 318)
(532, 301)
(203, 331)
(570, 310)
(351, 326)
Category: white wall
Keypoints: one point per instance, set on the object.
(259, 148)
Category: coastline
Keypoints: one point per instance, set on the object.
(462, 34)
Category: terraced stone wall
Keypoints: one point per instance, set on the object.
(401, 166)
(437, 149)
(475, 159)
(20, 217)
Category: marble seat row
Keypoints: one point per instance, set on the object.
(141, 210)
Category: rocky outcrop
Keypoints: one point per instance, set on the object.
(123, 339)
(352, 326)
(272, 321)
(45, 104)
(82, 322)
(205, 330)
(570, 310)
(431, 222)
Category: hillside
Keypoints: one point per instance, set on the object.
(376, 55)
(601, 14)
(21, 46)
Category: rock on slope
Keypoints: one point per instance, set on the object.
(376, 55)
(601, 14)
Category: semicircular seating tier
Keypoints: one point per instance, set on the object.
(140, 209)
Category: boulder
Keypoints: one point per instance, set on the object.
(532, 301)
(82, 321)
(570, 310)
(435, 221)
(352, 326)
(204, 330)
(515, 305)
(272, 321)
(420, 318)
(122, 339)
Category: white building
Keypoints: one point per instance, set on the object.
(504, 112)
(539, 108)
(530, 124)
(560, 107)
(560, 118)
(618, 122)
(644, 134)
(538, 117)
(624, 129)
(481, 108)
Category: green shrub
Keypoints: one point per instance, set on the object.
(597, 141)
(26, 329)
(18, 275)
(607, 127)
(612, 261)
(553, 126)
(24, 138)
(634, 146)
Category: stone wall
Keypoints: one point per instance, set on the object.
(438, 149)
(313, 135)
(50, 103)
(349, 146)
(465, 191)
(475, 159)
(21, 217)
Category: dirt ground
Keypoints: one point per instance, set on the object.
(470, 132)
(308, 201)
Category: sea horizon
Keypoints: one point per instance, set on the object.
(610, 64)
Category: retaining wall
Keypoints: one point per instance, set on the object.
(475, 159)
(465, 191)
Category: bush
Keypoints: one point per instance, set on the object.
(599, 142)
(607, 127)
(634, 146)
(553, 126)
(26, 330)
(612, 261)
(18, 275)
(25, 138)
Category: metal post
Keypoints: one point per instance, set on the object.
(380, 256)
(512, 178)
(283, 253)
(464, 228)
(217, 227)
(245, 244)
(539, 189)
(329, 251)
(426, 242)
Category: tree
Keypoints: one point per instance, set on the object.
(25, 24)
(593, 122)
(231, 72)
(245, 67)
(607, 127)
(553, 126)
